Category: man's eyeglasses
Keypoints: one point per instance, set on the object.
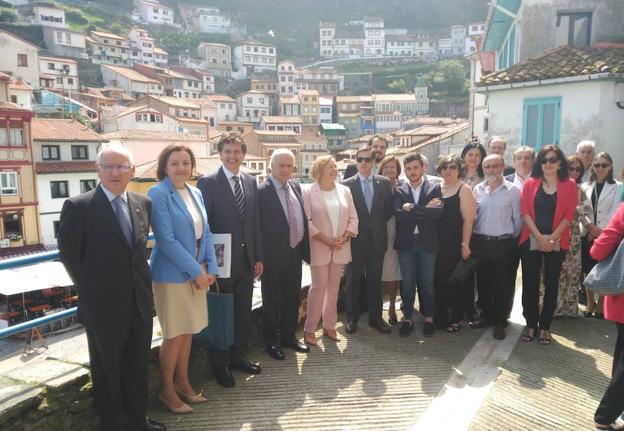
(111, 168)
(491, 166)
(550, 160)
(364, 159)
(451, 167)
(602, 165)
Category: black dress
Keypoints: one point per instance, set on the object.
(454, 302)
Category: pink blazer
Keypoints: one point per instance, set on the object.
(318, 221)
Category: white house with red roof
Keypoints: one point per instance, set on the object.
(64, 152)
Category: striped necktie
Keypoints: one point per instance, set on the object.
(238, 196)
(124, 223)
(292, 218)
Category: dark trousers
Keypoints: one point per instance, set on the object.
(240, 284)
(612, 404)
(531, 271)
(513, 273)
(281, 289)
(364, 260)
(119, 351)
(494, 285)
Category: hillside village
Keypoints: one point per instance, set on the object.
(79, 89)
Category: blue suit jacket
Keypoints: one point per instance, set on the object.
(420, 215)
(173, 258)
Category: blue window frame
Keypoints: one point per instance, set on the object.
(507, 53)
(541, 120)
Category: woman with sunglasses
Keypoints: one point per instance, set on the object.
(603, 192)
(548, 203)
(570, 277)
(455, 302)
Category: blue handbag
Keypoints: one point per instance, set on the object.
(607, 277)
(219, 334)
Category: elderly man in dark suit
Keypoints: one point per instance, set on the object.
(373, 198)
(231, 203)
(285, 228)
(417, 204)
(102, 237)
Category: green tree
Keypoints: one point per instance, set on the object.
(454, 76)
(7, 15)
(397, 86)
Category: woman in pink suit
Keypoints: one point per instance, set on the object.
(332, 221)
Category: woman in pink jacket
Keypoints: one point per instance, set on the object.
(332, 222)
(612, 403)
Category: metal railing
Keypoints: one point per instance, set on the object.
(17, 262)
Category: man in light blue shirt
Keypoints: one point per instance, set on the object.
(496, 227)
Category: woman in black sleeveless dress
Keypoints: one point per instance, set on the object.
(454, 231)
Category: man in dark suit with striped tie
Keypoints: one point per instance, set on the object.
(231, 203)
(285, 227)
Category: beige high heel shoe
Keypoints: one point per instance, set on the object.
(332, 335)
(191, 399)
(182, 410)
(310, 339)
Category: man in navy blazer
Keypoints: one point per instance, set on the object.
(231, 203)
(102, 238)
(379, 145)
(372, 196)
(417, 205)
(285, 228)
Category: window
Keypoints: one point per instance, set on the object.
(50, 152)
(13, 98)
(59, 189)
(8, 184)
(79, 152)
(12, 224)
(573, 28)
(22, 60)
(59, 80)
(70, 81)
(51, 66)
(541, 122)
(507, 54)
(59, 37)
(86, 185)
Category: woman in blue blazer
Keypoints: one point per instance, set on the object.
(183, 266)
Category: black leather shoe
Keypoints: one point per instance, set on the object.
(381, 326)
(150, 425)
(406, 328)
(223, 374)
(499, 333)
(275, 352)
(428, 329)
(296, 345)
(246, 366)
(351, 327)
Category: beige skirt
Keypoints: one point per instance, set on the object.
(181, 308)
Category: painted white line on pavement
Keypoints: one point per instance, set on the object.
(457, 404)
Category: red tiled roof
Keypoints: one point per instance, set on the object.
(205, 166)
(54, 129)
(561, 62)
(8, 106)
(65, 167)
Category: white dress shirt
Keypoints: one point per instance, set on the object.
(416, 195)
(232, 182)
(498, 211)
(124, 205)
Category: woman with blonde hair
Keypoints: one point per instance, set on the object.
(332, 222)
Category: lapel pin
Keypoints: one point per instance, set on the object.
(137, 210)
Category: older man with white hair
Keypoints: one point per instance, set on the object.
(102, 237)
(586, 150)
(284, 228)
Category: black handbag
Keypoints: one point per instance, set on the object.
(463, 269)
